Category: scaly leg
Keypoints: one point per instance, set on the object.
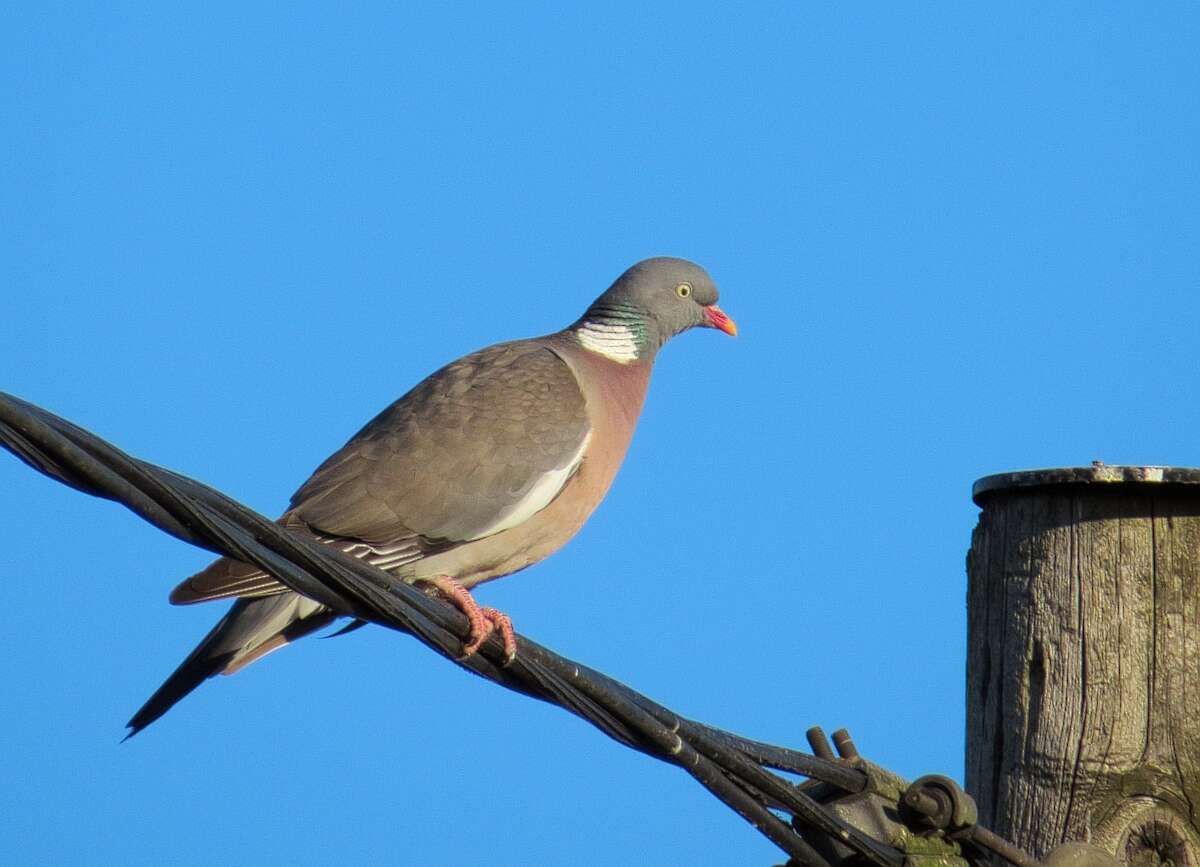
(500, 620)
(483, 620)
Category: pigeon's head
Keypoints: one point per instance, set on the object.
(657, 299)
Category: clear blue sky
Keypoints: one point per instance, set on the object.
(959, 239)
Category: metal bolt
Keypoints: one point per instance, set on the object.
(820, 746)
(845, 744)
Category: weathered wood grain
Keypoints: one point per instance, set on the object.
(1083, 667)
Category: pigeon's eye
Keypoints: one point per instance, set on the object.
(683, 290)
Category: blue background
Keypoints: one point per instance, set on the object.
(958, 238)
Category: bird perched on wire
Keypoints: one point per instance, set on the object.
(487, 466)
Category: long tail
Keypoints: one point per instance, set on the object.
(250, 630)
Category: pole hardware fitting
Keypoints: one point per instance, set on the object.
(937, 803)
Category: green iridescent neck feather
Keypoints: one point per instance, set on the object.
(617, 331)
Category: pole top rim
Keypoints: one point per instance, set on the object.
(1099, 473)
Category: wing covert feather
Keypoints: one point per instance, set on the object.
(463, 450)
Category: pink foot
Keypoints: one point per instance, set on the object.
(483, 621)
(500, 620)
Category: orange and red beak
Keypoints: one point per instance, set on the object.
(718, 319)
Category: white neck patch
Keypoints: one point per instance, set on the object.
(615, 342)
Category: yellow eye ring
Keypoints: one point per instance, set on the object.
(683, 290)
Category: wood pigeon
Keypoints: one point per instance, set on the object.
(487, 466)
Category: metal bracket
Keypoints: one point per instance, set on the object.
(931, 820)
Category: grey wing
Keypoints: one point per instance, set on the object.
(459, 456)
(475, 448)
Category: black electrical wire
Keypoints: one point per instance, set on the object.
(734, 769)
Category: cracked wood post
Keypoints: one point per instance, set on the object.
(1083, 660)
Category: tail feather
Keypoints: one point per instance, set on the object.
(250, 630)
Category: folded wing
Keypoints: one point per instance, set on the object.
(476, 448)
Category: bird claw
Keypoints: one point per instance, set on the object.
(483, 621)
(499, 620)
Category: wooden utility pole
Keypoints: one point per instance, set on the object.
(1083, 660)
